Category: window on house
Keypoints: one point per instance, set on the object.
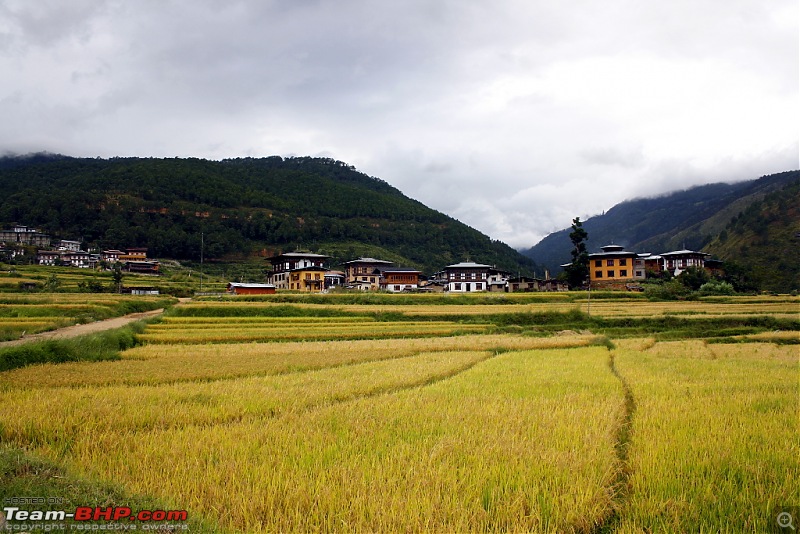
(610, 263)
(479, 287)
(623, 261)
(639, 273)
(598, 263)
(610, 274)
(598, 274)
(457, 287)
(623, 273)
(397, 288)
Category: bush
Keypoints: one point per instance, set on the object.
(672, 290)
(717, 287)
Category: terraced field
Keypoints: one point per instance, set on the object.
(275, 416)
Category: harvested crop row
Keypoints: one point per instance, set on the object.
(155, 364)
(75, 412)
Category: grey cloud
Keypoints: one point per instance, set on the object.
(514, 116)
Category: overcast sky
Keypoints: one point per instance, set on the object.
(513, 116)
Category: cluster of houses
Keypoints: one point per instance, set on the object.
(303, 271)
(66, 253)
(612, 268)
(617, 268)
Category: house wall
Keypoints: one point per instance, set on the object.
(612, 268)
(254, 290)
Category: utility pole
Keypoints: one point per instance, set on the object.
(589, 299)
(202, 244)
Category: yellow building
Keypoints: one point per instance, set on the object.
(614, 264)
(310, 278)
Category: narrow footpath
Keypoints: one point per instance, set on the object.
(83, 329)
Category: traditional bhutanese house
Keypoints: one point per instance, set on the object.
(522, 283)
(48, 257)
(79, 258)
(133, 254)
(283, 265)
(111, 256)
(679, 260)
(145, 267)
(399, 279)
(466, 276)
(334, 279)
(652, 263)
(497, 280)
(613, 266)
(310, 278)
(73, 246)
(365, 273)
(553, 284)
(250, 289)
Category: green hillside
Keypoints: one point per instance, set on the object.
(691, 219)
(765, 240)
(243, 207)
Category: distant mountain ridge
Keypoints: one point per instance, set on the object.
(242, 207)
(688, 219)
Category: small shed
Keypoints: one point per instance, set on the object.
(251, 289)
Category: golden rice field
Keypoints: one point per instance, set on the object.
(709, 307)
(386, 425)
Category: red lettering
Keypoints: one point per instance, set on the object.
(106, 514)
(144, 515)
(83, 513)
(159, 515)
(121, 512)
(177, 515)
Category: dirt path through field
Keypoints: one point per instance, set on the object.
(88, 328)
(83, 329)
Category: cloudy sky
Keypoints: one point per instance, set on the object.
(513, 116)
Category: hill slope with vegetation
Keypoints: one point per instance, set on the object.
(765, 240)
(695, 219)
(242, 207)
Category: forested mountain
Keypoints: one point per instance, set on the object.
(765, 240)
(243, 207)
(691, 219)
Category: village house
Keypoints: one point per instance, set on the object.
(71, 246)
(523, 283)
(111, 256)
(142, 266)
(133, 254)
(365, 273)
(466, 276)
(399, 279)
(497, 280)
(678, 261)
(334, 279)
(614, 267)
(23, 235)
(310, 278)
(289, 270)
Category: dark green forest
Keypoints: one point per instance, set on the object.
(242, 207)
